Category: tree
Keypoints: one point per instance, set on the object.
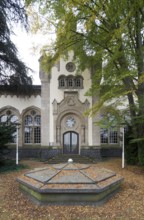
(107, 36)
(12, 70)
(6, 134)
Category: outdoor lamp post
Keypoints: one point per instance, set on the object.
(123, 150)
(123, 145)
(17, 142)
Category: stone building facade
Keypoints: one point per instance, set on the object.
(52, 119)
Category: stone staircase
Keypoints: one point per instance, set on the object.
(63, 158)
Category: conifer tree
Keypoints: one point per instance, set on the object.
(12, 69)
(6, 131)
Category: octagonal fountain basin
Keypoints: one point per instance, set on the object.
(70, 183)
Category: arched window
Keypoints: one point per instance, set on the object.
(70, 81)
(79, 82)
(62, 82)
(9, 117)
(32, 127)
(3, 118)
(109, 130)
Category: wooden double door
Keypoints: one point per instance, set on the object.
(71, 143)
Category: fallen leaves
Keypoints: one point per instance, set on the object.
(126, 204)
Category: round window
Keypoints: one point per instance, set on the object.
(70, 122)
(70, 67)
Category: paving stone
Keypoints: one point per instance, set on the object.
(70, 181)
(43, 175)
(70, 176)
(70, 166)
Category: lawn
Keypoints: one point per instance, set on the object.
(128, 204)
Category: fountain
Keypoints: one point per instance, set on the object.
(70, 183)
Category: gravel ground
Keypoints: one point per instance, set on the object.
(128, 204)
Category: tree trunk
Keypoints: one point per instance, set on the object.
(140, 92)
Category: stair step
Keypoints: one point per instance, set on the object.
(63, 158)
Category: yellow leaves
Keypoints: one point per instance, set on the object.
(90, 22)
(141, 79)
(34, 18)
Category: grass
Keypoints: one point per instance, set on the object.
(11, 166)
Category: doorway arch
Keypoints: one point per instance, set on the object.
(70, 142)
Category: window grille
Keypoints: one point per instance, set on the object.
(113, 136)
(68, 82)
(78, 82)
(32, 128)
(104, 136)
(61, 82)
(109, 136)
(8, 117)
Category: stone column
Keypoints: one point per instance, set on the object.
(95, 127)
(58, 136)
(45, 108)
(83, 137)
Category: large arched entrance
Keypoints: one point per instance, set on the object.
(70, 142)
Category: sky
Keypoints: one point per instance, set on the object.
(25, 42)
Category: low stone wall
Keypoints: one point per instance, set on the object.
(93, 153)
(111, 152)
(49, 153)
(43, 153)
(46, 153)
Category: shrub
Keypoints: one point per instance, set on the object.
(131, 149)
(6, 131)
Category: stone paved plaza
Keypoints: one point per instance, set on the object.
(70, 182)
